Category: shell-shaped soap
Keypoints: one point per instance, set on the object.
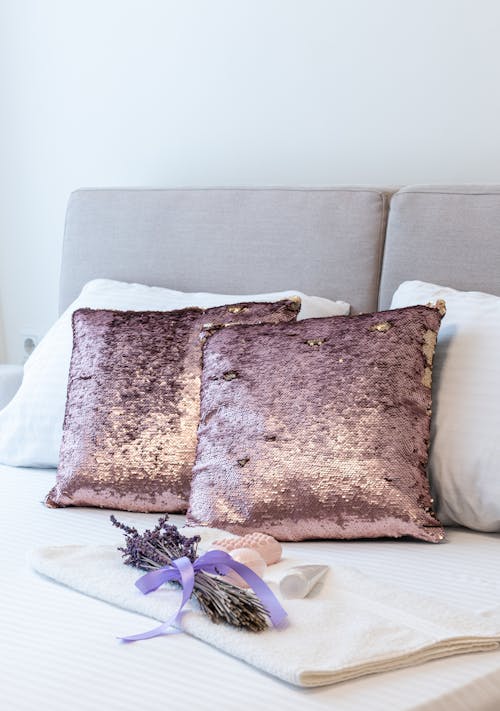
(268, 547)
(251, 559)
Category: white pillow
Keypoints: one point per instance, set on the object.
(31, 424)
(465, 443)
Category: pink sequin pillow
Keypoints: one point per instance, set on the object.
(129, 435)
(318, 429)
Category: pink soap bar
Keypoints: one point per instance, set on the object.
(267, 546)
(250, 558)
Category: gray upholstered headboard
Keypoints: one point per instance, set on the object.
(448, 235)
(326, 241)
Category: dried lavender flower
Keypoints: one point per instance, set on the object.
(220, 600)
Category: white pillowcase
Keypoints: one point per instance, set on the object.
(465, 444)
(31, 424)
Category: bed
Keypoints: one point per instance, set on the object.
(352, 243)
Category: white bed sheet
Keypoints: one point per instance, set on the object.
(58, 648)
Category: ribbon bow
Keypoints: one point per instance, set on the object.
(183, 571)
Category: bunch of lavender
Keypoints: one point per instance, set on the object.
(220, 600)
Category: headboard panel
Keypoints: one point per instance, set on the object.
(326, 242)
(448, 235)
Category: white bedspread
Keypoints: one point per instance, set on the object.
(59, 648)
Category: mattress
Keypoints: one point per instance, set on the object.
(58, 649)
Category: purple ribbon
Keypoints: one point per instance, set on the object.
(183, 571)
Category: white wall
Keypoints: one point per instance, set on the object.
(223, 92)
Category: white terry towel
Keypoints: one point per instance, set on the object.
(351, 625)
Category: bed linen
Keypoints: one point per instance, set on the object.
(58, 645)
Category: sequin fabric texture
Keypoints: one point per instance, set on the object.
(318, 429)
(129, 435)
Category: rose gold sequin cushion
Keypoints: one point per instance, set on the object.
(318, 429)
(129, 436)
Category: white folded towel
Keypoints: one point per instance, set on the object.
(350, 626)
